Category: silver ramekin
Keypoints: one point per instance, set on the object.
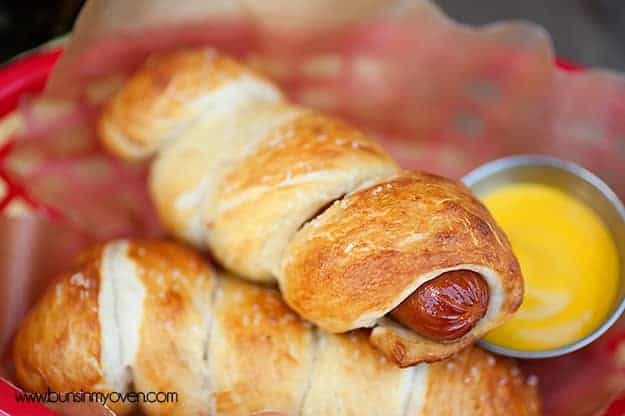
(583, 185)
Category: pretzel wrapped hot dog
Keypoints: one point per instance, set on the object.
(151, 316)
(281, 193)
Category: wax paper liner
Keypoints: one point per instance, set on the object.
(439, 96)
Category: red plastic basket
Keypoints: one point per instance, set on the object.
(28, 75)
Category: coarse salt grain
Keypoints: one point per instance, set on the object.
(79, 280)
(348, 248)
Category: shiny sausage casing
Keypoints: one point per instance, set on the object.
(447, 307)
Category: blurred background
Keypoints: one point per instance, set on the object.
(590, 32)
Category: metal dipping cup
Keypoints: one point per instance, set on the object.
(577, 182)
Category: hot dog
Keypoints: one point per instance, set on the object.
(446, 307)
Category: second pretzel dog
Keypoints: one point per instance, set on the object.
(281, 193)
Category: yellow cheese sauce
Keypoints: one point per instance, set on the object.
(569, 262)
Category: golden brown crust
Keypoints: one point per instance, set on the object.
(261, 353)
(405, 348)
(174, 328)
(266, 196)
(49, 324)
(309, 143)
(57, 345)
(185, 202)
(350, 376)
(475, 382)
(354, 263)
(171, 91)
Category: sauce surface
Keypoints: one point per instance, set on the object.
(569, 262)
